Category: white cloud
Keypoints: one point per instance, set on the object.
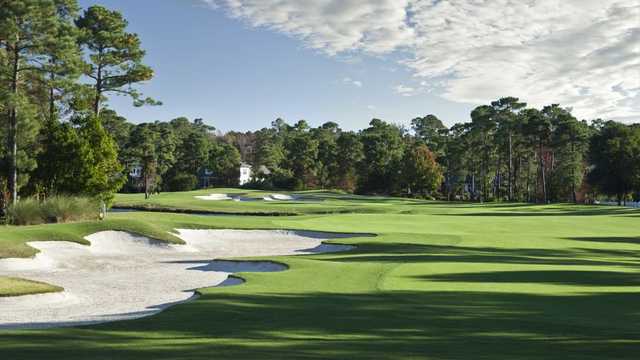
(210, 3)
(404, 90)
(371, 107)
(579, 53)
(350, 81)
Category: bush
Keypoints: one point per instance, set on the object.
(25, 212)
(182, 182)
(56, 209)
(66, 208)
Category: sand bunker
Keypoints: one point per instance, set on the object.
(214, 197)
(123, 276)
(279, 197)
(245, 199)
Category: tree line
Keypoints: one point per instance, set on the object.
(58, 66)
(507, 152)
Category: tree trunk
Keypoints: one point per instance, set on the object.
(473, 185)
(544, 183)
(510, 180)
(516, 170)
(98, 94)
(13, 127)
(483, 173)
(448, 179)
(528, 181)
(573, 175)
(145, 183)
(498, 181)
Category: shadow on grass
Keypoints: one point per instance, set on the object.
(560, 277)
(391, 325)
(608, 239)
(418, 253)
(553, 212)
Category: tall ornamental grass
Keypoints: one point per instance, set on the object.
(55, 209)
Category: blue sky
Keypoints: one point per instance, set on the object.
(239, 64)
(241, 78)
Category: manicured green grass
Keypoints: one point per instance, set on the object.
(16, 287)
(440, 281)
(306, 202)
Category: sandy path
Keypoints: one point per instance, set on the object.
(122, 276)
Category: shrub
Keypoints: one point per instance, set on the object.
(67, 208)
(56, 209)
(25, 212)
(182, 182)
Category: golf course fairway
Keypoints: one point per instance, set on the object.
(439, 281)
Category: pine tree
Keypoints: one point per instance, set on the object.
(29, 39)
(115, 56)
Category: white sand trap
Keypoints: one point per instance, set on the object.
(214, 197)
(123, 276)
(279, 197)
(282, 197)
(244, 199)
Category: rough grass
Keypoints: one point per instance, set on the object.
(441, 281)
(56, 209)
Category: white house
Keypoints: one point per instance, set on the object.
(245, 173)
(135, 171)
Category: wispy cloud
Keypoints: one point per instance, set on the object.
(406, 90)
(580, 53)
(350, 81)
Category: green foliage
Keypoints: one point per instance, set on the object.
(182, 182)
(421, 172)
(151, 146)
(117, 127)
(65, 162)
(115, 55)
(302, 153)
(56, 209)
(61, 209)
(105, 177)
(269, 149)
(570, 140)
(25, 212)
(32, 43)
(185, 151)
(224, 162)
(327, 157)
(429, 129)
(383, 149)
(349, 154)
(615, 154)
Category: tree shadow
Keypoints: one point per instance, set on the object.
(608, 239)
(389, 325)
(419, 253)
(560, 277)
(598, 212)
